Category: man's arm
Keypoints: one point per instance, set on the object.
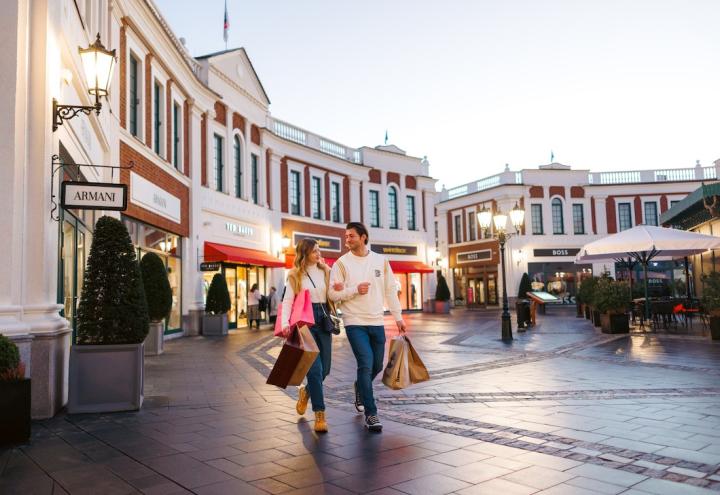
(338, 275)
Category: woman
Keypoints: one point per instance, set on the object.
(311, 273)
(254, 306)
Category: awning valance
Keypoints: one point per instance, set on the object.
(410, 267)
(234, 254)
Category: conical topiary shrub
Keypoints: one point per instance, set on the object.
(218, 296)
(442, 292)
(112, 309)
(158, 292)
(525, 286)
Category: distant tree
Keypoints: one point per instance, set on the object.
(158, 292)
(442, 292)
(218, 296)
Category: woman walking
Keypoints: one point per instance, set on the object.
(254, 306)
(311, 273)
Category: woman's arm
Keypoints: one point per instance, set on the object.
(338, 276)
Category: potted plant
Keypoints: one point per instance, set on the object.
(711, 302)
(106, 362)
(522, 304)
(14, 395)
(158, 296)
(585, 295)
(612, 299)
(442, 296)
(217, 304)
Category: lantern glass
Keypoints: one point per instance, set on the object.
(517, 216)
(500, 220)
(285, 242)
(484, 217)
(98, 63)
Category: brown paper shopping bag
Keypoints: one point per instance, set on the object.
(298, 353)
(417, 369)
(397, 374)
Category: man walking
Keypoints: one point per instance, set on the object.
(363, 280)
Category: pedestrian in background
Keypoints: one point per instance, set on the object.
(273, 305)
(254, 306)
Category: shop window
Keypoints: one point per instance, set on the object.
(134, 96)
(218, 159)
(158, 109)
(624, 216)
(393, 207)
(295, 192)
(335, 201)
(458, 228)
(651, 215)
(410, 212)
(177, 154)
(471, 226)
(536, 219)
(673, 203)
(237, 156)
(316, 198)
(374, 209)
(557, 216)
(254, 172)
(578, 219)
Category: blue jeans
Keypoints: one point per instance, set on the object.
(368, 345)
(321, 367)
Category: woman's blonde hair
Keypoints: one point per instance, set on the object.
(302, 252)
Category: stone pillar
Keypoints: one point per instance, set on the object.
(601, 215)
(275, 181)
(193, 281)
(354, 201)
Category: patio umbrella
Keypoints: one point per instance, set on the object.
(645, 243)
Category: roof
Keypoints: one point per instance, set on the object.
(247, 58)
(691, 211)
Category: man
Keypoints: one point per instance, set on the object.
(363, 280)
(273, 305)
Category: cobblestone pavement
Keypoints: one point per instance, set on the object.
(563, 409)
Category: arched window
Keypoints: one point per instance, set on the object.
(557, 216)
(393, 207)
(237, 157)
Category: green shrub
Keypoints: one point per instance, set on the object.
(611, 296)
(586, 290)
(525, 286)
(9, 356)
(711, 293)
(112, 309)
(218, 297)
(442, 292)
(158, 293)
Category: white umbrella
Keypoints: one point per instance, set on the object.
(644, 243)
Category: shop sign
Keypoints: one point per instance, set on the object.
(153, 198)
(324, 242)
(209, 266)
(93, 196)
(394, 249)
(473, 256)
(239, 229)
(556, 252)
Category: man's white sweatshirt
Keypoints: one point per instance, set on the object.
(364, 309)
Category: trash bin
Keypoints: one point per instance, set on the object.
(522, 310)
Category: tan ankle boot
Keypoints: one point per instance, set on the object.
(302, 402)
(320, 423)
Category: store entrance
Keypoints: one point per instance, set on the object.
(477, 289)
(410, 290)
(239, 279)
(75, 240)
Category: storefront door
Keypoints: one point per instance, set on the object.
(75, 240)
(239, 279)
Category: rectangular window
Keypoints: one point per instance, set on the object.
(557, 216)
(536, 218)
(578, 219)
(294, 192)
(157, 114)
(374, 209)
(458, 228)
(133, 97)
(335, 201)
(651, 216)
(410, 212)
(472, 221)
(176, 137)
(436, 234)
(316, 198)
(625, 216)
(673, 203)
(254, 177)
(219, 167)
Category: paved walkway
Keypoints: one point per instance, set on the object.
(561, 410)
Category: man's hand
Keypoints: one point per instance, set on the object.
(363, 288)
(338, 286)
(400, 326)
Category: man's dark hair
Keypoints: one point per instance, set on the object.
(360, 229)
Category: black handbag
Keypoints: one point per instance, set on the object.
(330, 323)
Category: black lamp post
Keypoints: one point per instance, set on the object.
(517, 216)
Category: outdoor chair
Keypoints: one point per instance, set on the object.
(662, 314)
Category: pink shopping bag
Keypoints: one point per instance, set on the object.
(301, 313)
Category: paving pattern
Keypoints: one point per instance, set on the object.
(563, 409)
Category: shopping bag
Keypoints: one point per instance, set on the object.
(417, 369)
(397, 373)
(300, 314)
(298, 353)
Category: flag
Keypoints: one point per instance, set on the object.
(552, 157)
(226, 24)
(386, 136)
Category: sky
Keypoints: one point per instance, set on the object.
(477, 84)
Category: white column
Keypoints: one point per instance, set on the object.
(193, 281)
(275, 180)
(354, 201)
(600, 215)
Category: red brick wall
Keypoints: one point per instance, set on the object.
(220, 113)
(423, 212)
(464, 223)
(268, 179)
(284, 185)
(123, 77)
(238, 122)
(451, 239)
(327, 196)
(186, 138)
(288, 226)
(362, 205)
(306, 192)
(203, 150)
(375, 176)
(148, 100)
(153, 173)
(536, 192)
(491, 244)
(255, 134)
(577, 192)
(638, 210)
(346, 195)
(610, 213)
(393, 177)
(410, 182)
(592, 215)
(663, 203)
(557, 191)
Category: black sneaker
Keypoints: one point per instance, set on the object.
(373, 423)
(358, 402)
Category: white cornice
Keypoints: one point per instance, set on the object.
(221, 75)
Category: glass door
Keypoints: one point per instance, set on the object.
(231, 280)
(241, 296)
(75, 240)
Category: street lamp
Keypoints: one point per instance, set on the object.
(285, 242)
(517, 216)
(98, 63)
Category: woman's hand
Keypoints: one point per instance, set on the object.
(286, 331)
(338, 286)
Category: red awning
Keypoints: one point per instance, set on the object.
(410, 267)
(290, 259)
(223, 252)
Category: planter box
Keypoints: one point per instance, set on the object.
(429, 306)
(442, 307)
(715, 327)
(155, 339)
(615, 323)
(106, 378)
(580, 312)
(14, 411)
(215, 325)
(522, 313)
(596, 317)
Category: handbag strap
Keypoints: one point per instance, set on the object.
(315, 287)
